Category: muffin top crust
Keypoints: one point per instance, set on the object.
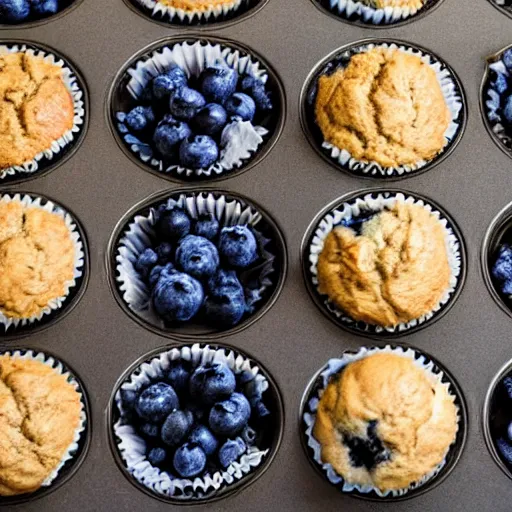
(385, 423)
(194, 5)
(381, 4)
(39, 414)
(386, 106)
(36, 107)
(36, 258)
(395, 271)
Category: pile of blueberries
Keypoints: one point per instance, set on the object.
(501, 83)
(501, 419)
(193, 269)
(197, 420)
(17, 11)
(502, 269)
(182, 120)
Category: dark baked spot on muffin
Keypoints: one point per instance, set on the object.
(369, 451)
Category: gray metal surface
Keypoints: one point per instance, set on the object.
(293, 339)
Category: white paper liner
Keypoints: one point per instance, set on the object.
(333, 367)
(452, 98)
(378, 202)
(54, 304)
(193, 59)
(372, 15)
(140, 232)
(213, 13)
(132, 447)
(77, 94)
(59, 368)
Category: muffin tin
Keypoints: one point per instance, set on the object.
(293, 339)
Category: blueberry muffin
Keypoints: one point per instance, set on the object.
(195, 5)
(382, 4)
(386, 106)
(40, 413)
(384, 423)
(390, 268)
(36, 107)
(36, 259)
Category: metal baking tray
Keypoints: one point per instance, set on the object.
(293, 340)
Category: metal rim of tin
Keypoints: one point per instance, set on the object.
(383, 336)
(70, 149)
(503, 9)
(481, 97)
(42, 21)
(456, 449)
(309, 127)
(140, 10)
(72, 465)
(174, 333)
(424, 11)
(262, 152)
(75, 293)
(227, 490)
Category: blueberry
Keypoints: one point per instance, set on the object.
(164, 253)
(157, 456)
(226, 308)
(207, 226)
(249, 435)
(502, 268)
(150, 430)
(212, 383)
(218, 83)
(160, 271)
(185, 103)
(259, 409)
(202, 436)
(507, 109)
(128, 398)
(197, 256)
(168, 135)
(505, 449)
(198, 152)
(173, 224)
(166, 83)
(140, 118)
(176, 427)
(506, 287)
(43, 7)
(507, 59)
(500, 83)
(369, 451)
(507, 384)
(222, 280)
(228, 418)
(241, 105)
(231, 451)
(189, 460)
(256, 89)
(156, 402)
(178, 376)
(509, 431)
(211, 119)
(146, 261)
(14, 10)
(238, 246)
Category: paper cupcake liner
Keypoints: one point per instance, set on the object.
(54, 304)
(61, 370)
(452, 94)
(193, 17)
(333, 367)
(71, 82)
(132, 447)
(242, 138)
(377, 202)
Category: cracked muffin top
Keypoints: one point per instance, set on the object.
(39, 414)
(194, 5)
(36, 107)
(381, 4)
(386, 106)
(385, 423)
(36, 258)
(395, 270)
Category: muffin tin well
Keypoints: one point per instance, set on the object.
(454, 454)
(238, 56)
(505, 6)
(271, 440)
(452, 90)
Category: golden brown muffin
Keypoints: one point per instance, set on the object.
(385, 423)
(381, 4)
(36, 108)
(39, 415)
(386, 106)
(195, 5)
(396, 271)
(36, 258)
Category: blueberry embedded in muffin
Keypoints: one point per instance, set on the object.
(384, 423)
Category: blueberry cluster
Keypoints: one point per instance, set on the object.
(502, 269)
(193, 269)
(501, 419)
(16, 11)
(368, 451)
(196, 420)
(183, 119)
(501, 83)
